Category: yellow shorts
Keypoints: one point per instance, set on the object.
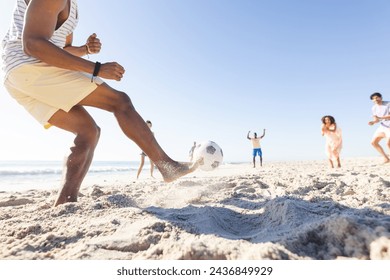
(43, 89)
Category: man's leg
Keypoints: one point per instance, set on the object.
(375, 144)
(141, 165)
(388, 145)
(135, 128)
(260, 152)
(151, 168)
(80, 123)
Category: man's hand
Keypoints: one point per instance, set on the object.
(111, 71)
(376, 120)
(93, 44)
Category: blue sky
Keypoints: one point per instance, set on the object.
(214, 69)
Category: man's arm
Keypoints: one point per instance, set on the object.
(263, 133)
(379, 118)
(376, 120)
(92, 46)
(247, 136)
(76, 51)
(40, 24)
(387, 117)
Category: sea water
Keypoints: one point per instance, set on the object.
(26, 175)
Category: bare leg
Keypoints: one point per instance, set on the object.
(151, 168)
(141, 165)
(338, 162)
(135, 128)
(375, 144)
(254, 162)
(261, 161)
(331, 163)
(79, 122)
(388, 146)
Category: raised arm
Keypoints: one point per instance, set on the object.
(263, 133)
(247, 136)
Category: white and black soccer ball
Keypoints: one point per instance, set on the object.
(210, 155)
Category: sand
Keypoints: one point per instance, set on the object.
(285, 210)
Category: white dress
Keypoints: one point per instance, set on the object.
(334, 143)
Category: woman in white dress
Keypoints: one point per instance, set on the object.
(334, 140)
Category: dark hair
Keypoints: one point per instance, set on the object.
(332, 120)
(377, 94)
(149, 122)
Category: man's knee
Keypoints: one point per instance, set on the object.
(375, 141)
(123, 102)
(89, 137)
(95, 135)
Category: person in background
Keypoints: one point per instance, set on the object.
(381, 115)
(143, 155)
(256, 147)
(334, 140)
(191, 153)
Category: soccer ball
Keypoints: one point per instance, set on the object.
(210, 155)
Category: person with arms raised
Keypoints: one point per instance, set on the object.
(256, 147)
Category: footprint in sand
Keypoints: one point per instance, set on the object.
(243, 189)
(15, 202)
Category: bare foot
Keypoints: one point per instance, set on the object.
(174, 170)
(65, 199)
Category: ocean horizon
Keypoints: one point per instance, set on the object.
(23, 175)
(20, 175)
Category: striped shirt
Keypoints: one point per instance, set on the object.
(12, 46)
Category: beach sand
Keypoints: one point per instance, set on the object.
(285, 210)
